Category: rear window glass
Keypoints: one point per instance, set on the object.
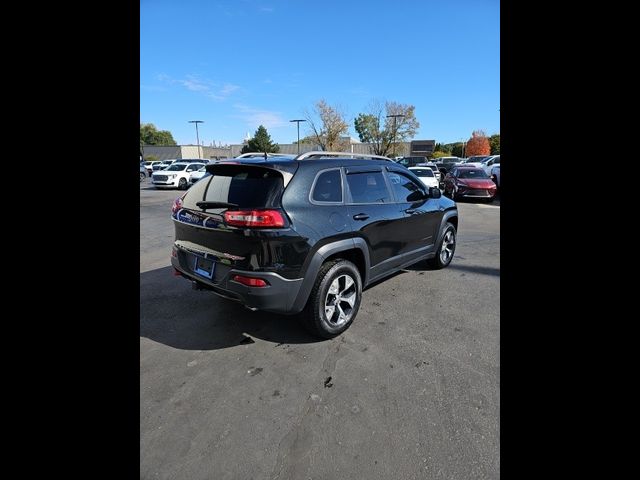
(469, 173)
(368, 187)
(247, 188)
(423, 172)
(328, 187)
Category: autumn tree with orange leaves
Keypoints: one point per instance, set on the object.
(478, 144)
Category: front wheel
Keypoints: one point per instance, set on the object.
(334, 299)
(182, 184)
(142, 177)
(446, 248)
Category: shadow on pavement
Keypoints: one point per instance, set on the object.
(175, 315)
(424, 266)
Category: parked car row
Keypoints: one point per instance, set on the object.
(176, 175)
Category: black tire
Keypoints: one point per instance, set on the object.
(182, 184)
(315, 314)
(442, 260)
(142, 177)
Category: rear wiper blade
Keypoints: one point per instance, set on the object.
(205, 205)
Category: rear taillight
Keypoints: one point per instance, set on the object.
(254, 218)
(177, 203)
(250, 281)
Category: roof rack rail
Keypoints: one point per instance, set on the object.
(320, 154)
(262, 154)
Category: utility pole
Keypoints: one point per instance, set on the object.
(298, 122)
(197, 136)
(395, 129)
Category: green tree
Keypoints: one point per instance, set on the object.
(456, 149)
(150, 135)
(261, 142)
(377, 128)
(440, 153)
(439, 147)
(327, 125)
(494, 142)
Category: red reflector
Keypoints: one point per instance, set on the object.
(249, 281)
(254, 218)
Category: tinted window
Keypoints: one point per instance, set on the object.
(423, 172)
(328, 187)
(368, 187)
(475, 173)
(403, 186)
(176, 168)
(496, 161)
(248, 188)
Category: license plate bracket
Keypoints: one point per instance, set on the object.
(204, 267)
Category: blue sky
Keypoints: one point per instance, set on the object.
(237, 64)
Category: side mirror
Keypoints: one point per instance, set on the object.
(434, 192)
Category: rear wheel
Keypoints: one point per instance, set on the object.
(446, 248)
(334, 299)
(182, 184)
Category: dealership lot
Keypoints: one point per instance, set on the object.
(410, 390)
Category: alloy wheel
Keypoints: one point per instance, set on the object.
(340, 300)
(448, 245)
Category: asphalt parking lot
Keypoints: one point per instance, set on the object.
(410, 391)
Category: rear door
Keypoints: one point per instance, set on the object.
(373, 215)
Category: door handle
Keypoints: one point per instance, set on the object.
(360, 216)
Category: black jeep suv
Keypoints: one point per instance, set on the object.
(305, 235)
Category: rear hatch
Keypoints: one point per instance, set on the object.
(232, 217)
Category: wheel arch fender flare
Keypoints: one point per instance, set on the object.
(318, 259)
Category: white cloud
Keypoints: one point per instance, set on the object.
(254, 117)
(195, 83)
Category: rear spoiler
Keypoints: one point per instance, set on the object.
(287, 170)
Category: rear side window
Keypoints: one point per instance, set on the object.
(245, 187)
(328, 187)
(368, 187)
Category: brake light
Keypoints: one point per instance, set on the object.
(254, 218)
(250, 281)
(177, 203)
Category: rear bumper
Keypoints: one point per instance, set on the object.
(278, 296)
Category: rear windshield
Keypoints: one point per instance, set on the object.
(475, 173)
(246, 187)
(423, 172)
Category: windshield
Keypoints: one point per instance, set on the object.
(423, 172)
(472, 173)
(176, 167)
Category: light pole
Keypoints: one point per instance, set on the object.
(298, 123)
(197, 136)
(394, 130)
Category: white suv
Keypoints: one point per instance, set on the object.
(175, 175)
(489, 162)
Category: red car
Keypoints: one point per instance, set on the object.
(468, 182)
